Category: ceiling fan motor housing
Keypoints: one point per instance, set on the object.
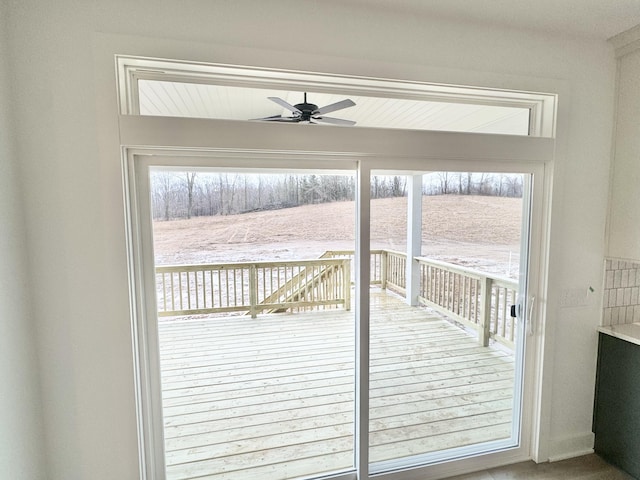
(307, 110)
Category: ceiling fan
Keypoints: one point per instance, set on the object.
(309, 112)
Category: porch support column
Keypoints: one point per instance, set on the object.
(414, 237)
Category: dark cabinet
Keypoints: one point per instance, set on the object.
(616, 415)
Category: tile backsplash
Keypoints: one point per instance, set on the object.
(621, 294)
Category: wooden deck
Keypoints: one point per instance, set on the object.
(272, 397)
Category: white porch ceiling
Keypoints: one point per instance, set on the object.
(165, 98)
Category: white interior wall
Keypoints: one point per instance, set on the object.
(74, 208)
(20, 410)
(624, 215)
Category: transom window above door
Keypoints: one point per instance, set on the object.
(160, 88)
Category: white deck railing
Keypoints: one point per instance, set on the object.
(475, 299)
(253, 287)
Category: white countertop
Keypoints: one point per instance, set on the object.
(629, 332)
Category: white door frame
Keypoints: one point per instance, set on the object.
(204, 143)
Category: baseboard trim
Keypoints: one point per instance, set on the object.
(565, 456)
(570, 447)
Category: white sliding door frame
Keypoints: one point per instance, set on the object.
(202, 143)
(138, 163)
(363, 305)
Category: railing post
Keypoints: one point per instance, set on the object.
(383, 269)
(414, 239)
(346, 282)
(484, 331)
(253, 290)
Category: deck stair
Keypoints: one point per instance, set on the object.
(303, 286)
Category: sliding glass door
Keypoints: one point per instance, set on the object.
(255, 322)
(332, 323)
(449, 255)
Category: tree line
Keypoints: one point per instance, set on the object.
(468, 183)
(191, 194)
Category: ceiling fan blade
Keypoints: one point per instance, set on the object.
(335, 106)
(284, 104)
(332, 121)
(272, 118)
(278, 118)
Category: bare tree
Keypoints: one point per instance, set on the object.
(164, 190)
(485, 184)
(190, 180)
(230, 188)
(211, 197)
(513, 185)
(444, 178)
(398, 186)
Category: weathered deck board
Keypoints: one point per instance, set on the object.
(273, 397)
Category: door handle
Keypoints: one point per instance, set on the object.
(530, 323)
(516, 312)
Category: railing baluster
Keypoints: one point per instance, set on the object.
(471, 313)
(464, 296)
(445, 290)
(384, 258)
(485, 311)
(173, 295)
(286, 280)
(164, 293)
(432, 283)
(501, 315)
(435, 275)
(449, 291)
(195, 281)
(253, 290)
(468, 299)
(219, 285)
(235, 288)
(212, 291)
(227, 298)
